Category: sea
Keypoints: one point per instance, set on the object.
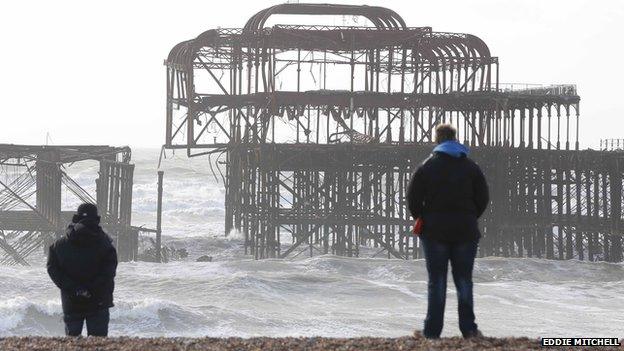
(235, 295)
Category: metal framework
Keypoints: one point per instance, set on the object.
(32, 179)
(320, 127)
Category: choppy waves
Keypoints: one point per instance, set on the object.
(324, 295)
(330, 296)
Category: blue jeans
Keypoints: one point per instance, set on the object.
(97, 323)
(437, 255)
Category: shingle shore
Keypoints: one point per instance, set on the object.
(416, 342)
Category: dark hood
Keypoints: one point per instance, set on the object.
(85, 231)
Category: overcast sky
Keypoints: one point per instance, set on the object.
(91, 72)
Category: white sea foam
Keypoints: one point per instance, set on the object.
(21, 316)
(325, 295)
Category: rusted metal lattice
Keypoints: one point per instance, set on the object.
(31, 182)
(320, 127)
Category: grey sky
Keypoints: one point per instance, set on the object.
(91, 72)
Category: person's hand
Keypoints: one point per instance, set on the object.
(83, 293)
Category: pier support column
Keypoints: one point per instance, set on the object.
(114, 201)
(615, 182)
(48, 188)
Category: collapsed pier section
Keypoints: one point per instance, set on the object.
(33, 180)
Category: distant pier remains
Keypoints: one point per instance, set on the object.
(320, 128)
(33, 213)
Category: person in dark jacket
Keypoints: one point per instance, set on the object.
(449, 193)
(83, 264)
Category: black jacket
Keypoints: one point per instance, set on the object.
(84, 258)
(449, 193)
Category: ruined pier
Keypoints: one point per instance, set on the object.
(33, 179)
(320, 127)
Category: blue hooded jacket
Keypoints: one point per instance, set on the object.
(449, 192)
(452, 148)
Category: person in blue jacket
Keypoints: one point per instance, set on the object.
(449, 193)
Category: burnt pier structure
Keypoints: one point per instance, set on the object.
(320, 127)
(33, 179)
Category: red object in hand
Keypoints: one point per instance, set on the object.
(418, 226)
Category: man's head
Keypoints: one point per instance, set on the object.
(86, 211)
(445, 132)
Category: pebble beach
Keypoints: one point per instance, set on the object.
(416, 342)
